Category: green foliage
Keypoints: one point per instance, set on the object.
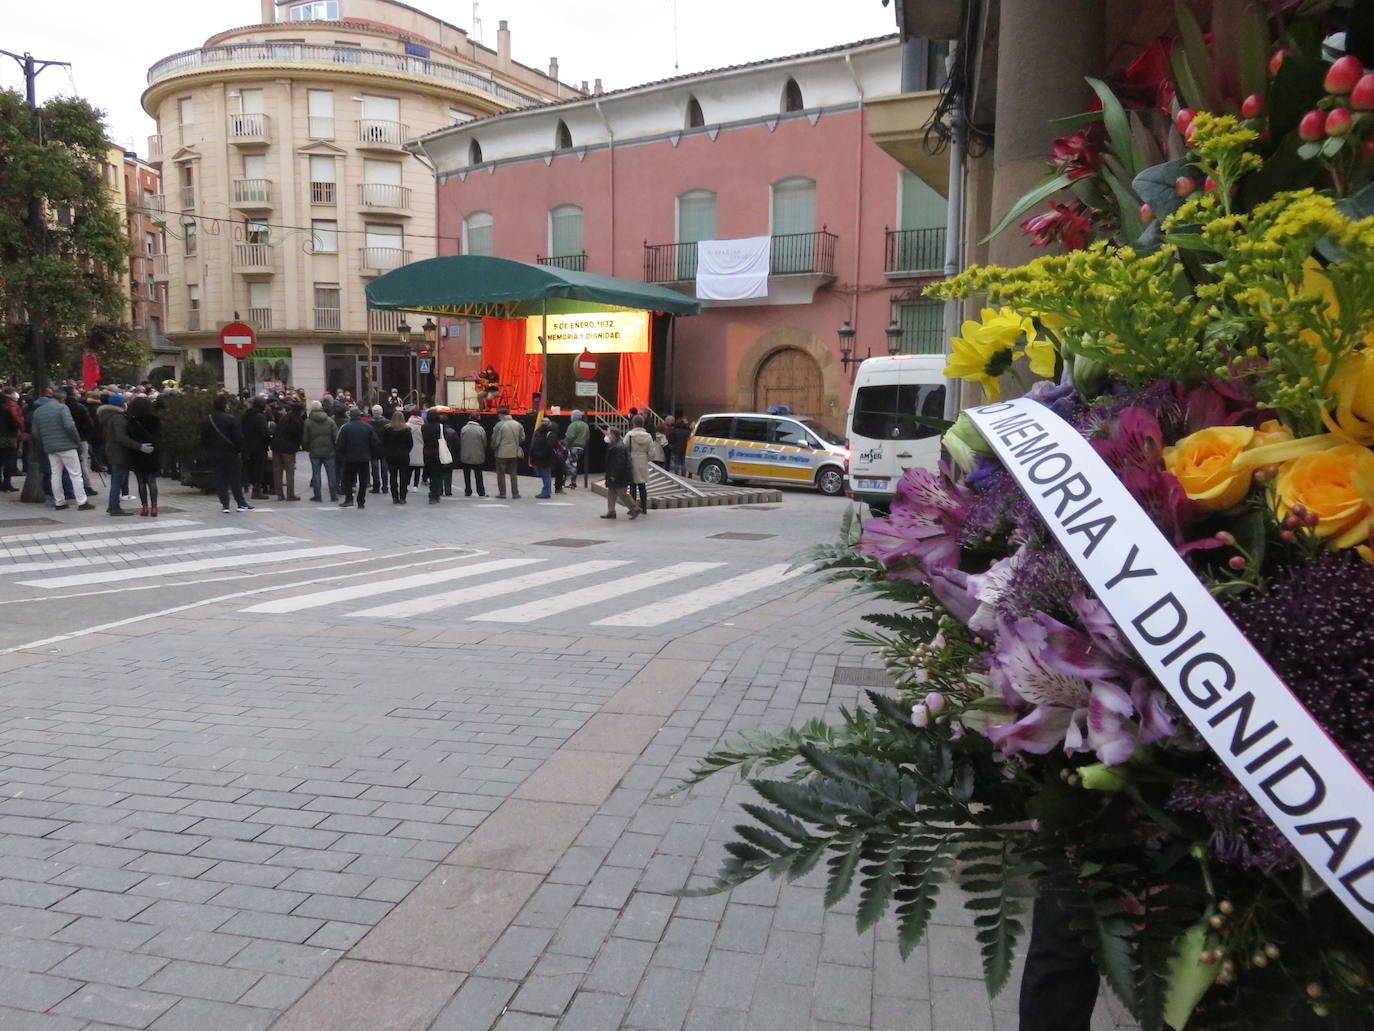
(196, 374)
(69, 275)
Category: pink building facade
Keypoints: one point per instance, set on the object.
(625, 184)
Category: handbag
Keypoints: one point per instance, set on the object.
(445, 455)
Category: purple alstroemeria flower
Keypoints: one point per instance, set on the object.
(918, 536)
(1070, 689)
(1060, 398)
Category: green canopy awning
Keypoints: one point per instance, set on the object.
(475, 286)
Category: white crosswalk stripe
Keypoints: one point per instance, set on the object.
(115, 526)
(675, 607)
(127, 543)
(371, 588)
(582, 597)
(190, 566)
(141, 555)
(484, 592)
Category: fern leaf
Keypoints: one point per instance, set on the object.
(842, 868)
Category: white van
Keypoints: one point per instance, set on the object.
(884, 438)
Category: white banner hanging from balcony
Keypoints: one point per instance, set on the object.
(733, 270)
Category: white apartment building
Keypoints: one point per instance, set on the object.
(286, 187)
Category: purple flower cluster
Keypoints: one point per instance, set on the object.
(1241, 832)
(1316, 628)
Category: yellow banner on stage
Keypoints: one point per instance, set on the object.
(610, 332)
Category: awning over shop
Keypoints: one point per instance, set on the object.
(474, 286)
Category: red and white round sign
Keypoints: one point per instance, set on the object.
(237, 339)
(586, 365)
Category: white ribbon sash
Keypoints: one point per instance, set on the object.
(1248, 716)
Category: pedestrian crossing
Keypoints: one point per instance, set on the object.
(71, 556)
(527, 590)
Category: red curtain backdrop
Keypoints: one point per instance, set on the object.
(634, 381)
(503, 348)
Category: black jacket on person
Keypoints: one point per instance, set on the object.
(290, 430)
(355, 442)
(145, 430)
(256, 435)
(223, 439)
(85, 422)
(677, 440)
(396, 446)
(543, 448)
(430, 435)
(618, 471)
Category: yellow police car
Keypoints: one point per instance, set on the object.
(777, 448)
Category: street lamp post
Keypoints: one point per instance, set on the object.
(894, 337)
(846, 333)
(430, 335)
(403, 335)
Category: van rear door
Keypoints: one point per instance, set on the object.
(886, 434)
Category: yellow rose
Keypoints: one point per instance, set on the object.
(1337, 486)
(1271, 432)
(1353, 388)
(1202, 464)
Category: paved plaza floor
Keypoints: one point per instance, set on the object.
(314, 769)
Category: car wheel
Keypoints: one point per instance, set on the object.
(712, 472)
(830, 482)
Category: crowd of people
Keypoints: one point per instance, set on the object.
(355, 451)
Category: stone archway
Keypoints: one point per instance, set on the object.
(834, 389)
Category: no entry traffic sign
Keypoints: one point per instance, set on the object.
(237, 339)
(586, 365)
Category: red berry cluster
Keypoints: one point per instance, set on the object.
(1342, 117)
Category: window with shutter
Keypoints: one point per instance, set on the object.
(477, 233)
(565, 231)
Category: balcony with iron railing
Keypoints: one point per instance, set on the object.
(188, 198)
(384, 321)
(359, 59)
(249, 127)
(384, 195)
(328, 319)
(253, 193)
(571, 262)
(790, 254)
(157, 204)
(260, 318)
(324, 193)
(913, 251)
(382, 133)
(155, 147)
(382, 259)
(252, 257)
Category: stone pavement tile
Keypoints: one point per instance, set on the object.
(108, 966)
(504, 840)
(550, 986)
(662, 1001)
(514, 953)
(619, 967)
(960, 1002)
(658, 688)
(358, 996)
(202, 981)
(610, 888)
(131, 1007)
(729, 980)
(31, 991)
(113, 934)
(195, 946)
(524, 1022)
(615, 732)
(583, 931)
(271, 957)
(576, 777)
(477, 1006)
(645, 916)
(275, 991)
(18, 1020)
(593, 1011)
(31, 955)
(200, 1014)
(547, 907)
(716, 1018)
(953, 952)
(450, 920)
(780, 1007)
(895, 1014)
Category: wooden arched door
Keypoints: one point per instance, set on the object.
(789, 377)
